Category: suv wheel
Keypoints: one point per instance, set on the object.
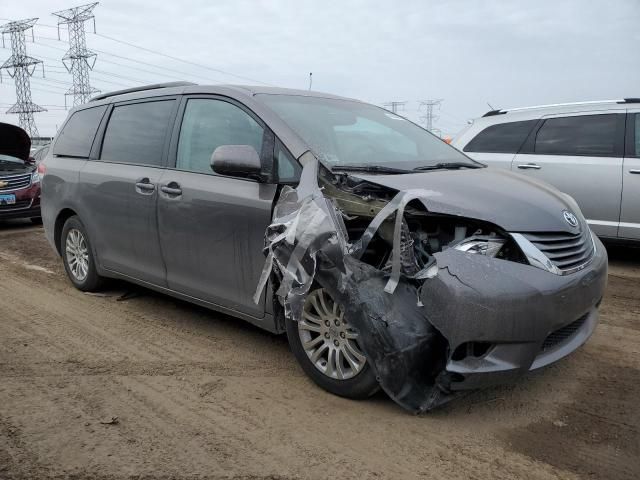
(326, 346)
(77, 256)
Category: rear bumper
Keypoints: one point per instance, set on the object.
(518, 318)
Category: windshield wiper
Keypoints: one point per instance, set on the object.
(368, 168)
(449, 166)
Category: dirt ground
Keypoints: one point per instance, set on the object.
(202, 395)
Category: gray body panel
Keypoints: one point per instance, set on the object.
(205, 244)
(121, 218)
(212, 237)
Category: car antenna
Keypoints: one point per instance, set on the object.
(310, 79)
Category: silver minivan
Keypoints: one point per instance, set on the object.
(589, 150)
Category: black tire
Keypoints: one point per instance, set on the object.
(360, 386)
(36, 220)
(92, 281)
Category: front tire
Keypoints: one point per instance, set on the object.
(77, 256)
(327, 349)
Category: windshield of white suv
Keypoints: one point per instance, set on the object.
(344, 133)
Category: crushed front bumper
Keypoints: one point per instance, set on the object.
(517, 316)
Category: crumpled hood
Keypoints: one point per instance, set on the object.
(509, 200)
(14, 141)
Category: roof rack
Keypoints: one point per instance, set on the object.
(630, 100)
(491, 113)
(141, 89)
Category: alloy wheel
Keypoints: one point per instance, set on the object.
(327, 338)
(77, 254)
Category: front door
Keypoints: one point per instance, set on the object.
(580, 155)
(630, 211)
(211, 226)
(121, 189)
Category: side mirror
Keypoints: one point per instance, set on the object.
(237, 161)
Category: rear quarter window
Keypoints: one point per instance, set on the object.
(501, 138)
(78, 133)
(136, 133)
(582, 135)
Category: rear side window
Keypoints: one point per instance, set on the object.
(77, 136)
(208, 124)
(501, 138)
(136, 133)
(584, 135)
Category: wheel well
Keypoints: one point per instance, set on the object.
(63, 216)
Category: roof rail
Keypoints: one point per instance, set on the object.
(630, 100)
(491, 113)
(141, 89)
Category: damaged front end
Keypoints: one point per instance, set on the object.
(424, 287)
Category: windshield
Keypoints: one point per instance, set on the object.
(9, 158)
(350, 133)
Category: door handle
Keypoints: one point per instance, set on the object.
(172, 189)
(637, 172)
(529, 166)
(145, 186)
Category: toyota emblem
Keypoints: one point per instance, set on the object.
(570, 218)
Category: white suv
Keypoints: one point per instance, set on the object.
(590, 150)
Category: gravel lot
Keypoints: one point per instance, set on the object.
(202, 395)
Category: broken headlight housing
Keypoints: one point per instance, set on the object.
(482, 245)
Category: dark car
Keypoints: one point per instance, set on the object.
(389, 258)
(19, 178)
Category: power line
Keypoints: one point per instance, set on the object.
(217, 70)
(20, 67)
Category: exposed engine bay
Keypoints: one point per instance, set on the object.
(422, 233)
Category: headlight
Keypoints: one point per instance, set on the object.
(487, 246)
(35, 177)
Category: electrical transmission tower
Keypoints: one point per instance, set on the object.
(394, 106)
(20, 67)
(430, 116)
(78, 60)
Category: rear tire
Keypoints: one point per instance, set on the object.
(342, 372)
(77, 256)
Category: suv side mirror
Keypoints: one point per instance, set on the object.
(237, 161)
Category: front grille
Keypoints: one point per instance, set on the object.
(565, 250)
(14, 182)
(558, 336)
(20, 204)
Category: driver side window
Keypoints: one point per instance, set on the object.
(208, 124)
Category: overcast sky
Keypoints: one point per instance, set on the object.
(468, 53)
